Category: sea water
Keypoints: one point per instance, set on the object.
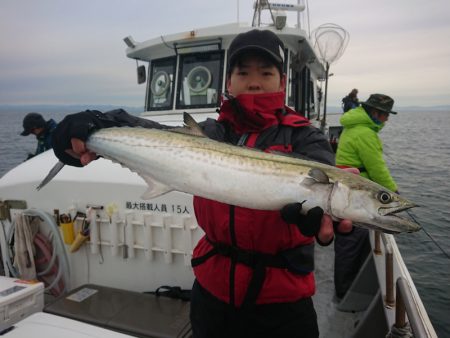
(417, 148)
(417, 151)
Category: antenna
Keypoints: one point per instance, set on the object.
(276, 10)
(237, 10)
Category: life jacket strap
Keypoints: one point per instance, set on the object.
(299, 260)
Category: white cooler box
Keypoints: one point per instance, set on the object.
(52, 326)
(19, 299)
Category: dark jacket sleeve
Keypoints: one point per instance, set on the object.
(311, 144)
(81, 125)
(215, 130)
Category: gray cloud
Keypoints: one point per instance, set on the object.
(54, 51)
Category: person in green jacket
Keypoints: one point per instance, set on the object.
(360, 147)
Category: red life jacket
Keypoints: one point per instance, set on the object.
(241, 256)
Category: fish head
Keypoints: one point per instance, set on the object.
(372, 206)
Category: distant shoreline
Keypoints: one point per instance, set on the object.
(55, 108)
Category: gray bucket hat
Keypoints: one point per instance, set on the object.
(380, 102)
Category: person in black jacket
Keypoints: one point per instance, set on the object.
(34, 123)
(350, 101)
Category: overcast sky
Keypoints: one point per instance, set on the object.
(72, 52)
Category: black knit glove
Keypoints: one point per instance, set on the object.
(81, 125)
(309, 224)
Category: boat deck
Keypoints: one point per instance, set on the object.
(332, 322)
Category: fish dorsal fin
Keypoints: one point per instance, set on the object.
(191, 127)
(319, 175)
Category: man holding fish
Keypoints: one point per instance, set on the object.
(254, 266)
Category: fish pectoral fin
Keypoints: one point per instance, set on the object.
(319, 176)
(155, 188)
(308, 181)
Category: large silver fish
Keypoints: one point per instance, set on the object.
(183, 159)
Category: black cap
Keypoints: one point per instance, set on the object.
(380, 102)
(258, 40)
(31, 121)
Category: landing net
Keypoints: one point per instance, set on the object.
(330, 42)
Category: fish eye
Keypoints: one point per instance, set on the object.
(384, 197)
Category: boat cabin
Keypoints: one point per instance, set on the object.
(187, 71)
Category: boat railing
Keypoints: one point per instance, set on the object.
(389, 266)
(401, 297)
(405, 304)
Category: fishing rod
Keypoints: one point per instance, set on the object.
(386, 153)
(409, 212)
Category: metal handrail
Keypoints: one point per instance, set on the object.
(402, 299)
(389, 265)
(377, 248)
(405, 304)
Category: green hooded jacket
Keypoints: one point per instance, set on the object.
(360, 147)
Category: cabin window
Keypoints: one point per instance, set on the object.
(307, 107)
(311, 99)
(291, 84)
(304, 88)
(200, 80)
(161, 84)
